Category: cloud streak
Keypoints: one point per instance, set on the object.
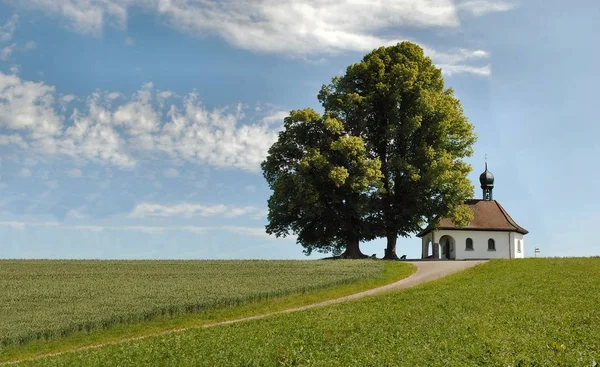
(7, 30)
(289, 27)
(145, 210)
(152, 230)
(482, 7)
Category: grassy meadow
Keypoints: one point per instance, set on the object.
(532, 312)
(45, 299)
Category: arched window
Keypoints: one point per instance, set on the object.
(469, 244)
(519, 246)
(491, 245)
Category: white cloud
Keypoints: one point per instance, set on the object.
(15, 69)
(7, 30)
(171, 172)
(139, 117)
(92, 136)
(29, 109)
(114, 95)
(477, 70)
(304, 27)
(14, 225)
(67, 98)
(276, 117)
(30, 162)
(165, 94)
(75, 173)
(129, 41)
(52, 184)
(28, 106)
(162, 96)
(84, 16)
(143, 229)
(144, 210)
(456, 57)
(13, 140)
(29, 45)
(97, 228)
(260, 19)
(482, 7)
(289, 27)
(7, 51)
(90, 228)
(25, 172)
(199, 135)
(75, 214)
(248, 231)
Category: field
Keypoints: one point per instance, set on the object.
(50, 299)
(533, 312)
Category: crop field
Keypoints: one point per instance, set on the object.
(532, 312)
(45, 299)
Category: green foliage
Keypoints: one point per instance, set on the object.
(50, 299)
(333, 125)
(321, 180)
(391, 145)
(461, 215)
(533, 312)
(396, 101)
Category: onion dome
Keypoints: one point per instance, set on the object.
(486, 178)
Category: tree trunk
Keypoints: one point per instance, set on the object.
(353, 249)
(390, 251)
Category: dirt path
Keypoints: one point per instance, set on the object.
(426, 271)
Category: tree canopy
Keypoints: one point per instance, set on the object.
(405, 137)
(396, 100)
(322, 181)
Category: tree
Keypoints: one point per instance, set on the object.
(322, 181)
(396, 101)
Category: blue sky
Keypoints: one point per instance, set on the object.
(136, 128)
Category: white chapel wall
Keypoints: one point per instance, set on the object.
(518, 254)
(480, 244)
(426, 245)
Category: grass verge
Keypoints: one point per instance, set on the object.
(392, 271)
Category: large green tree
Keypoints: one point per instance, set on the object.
(322, 182)
(396, 101)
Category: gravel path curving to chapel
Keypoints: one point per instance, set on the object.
(426, 272)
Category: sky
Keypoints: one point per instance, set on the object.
(135, 129)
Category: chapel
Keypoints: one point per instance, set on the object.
(492, 234)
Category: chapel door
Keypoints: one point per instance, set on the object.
(447, 248)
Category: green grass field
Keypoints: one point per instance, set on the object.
(533, 312)
(50, 299)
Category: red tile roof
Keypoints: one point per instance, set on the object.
(487, 216)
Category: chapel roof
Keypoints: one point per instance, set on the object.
(488, 215)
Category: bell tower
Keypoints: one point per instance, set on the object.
(486, 179)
